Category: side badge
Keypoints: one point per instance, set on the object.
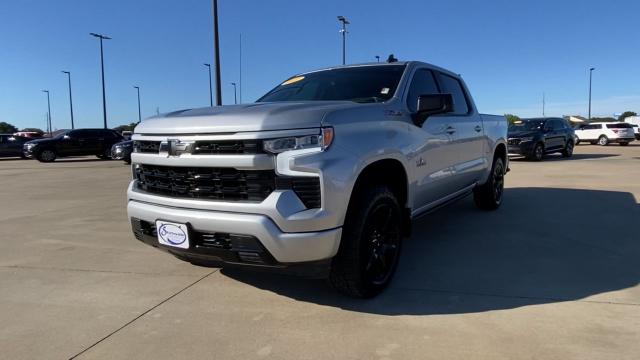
(420, 162)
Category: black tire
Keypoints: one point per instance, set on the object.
(567, 152)
(46, 155)
(127, 160)
(603, 140)
(624, 143)
(370, 244)
(537, 154)
(489, 195)
(106, 155)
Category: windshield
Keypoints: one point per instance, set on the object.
(359, 84)
(526, 125)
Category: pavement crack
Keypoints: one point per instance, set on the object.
(143, 314)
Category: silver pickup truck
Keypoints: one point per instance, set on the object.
(322, 175)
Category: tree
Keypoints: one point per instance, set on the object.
(626, 114)
(6, 128)
(122, 128)
(512, 118)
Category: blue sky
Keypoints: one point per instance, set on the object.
(509, 52)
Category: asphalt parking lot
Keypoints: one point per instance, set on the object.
(552, 275)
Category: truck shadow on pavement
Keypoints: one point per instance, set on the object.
(558, 157)
(544, 245)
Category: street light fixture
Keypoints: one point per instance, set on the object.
(377, 58)
(139, 114)
(344, 22)
(48, 112)
(70, 100)
(216, 52)
(235, 95)
(210, 90)
(104, 98)
(590, 78)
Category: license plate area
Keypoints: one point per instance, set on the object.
(173, 234)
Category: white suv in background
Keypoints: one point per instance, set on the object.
(605, 133)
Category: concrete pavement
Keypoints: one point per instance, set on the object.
(552, 275)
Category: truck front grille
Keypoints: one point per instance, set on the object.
(206, 183)
(226, 184)
(149, 147)
(218, 147)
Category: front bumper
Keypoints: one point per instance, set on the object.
(622, 140)
(280, 248)
(521, 149)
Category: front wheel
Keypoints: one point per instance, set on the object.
(46, 155)
(489, 195)
(568, 149)
(106, 155)
(370, 244)
(538, 152)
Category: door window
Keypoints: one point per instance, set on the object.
(451, 85)
(423, 83)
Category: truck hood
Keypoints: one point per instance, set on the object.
(243, 118)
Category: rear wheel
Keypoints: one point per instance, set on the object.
(370, 244)
(489, 195)
(603, 140)
(46, 155)
(568, 149)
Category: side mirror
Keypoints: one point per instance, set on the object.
(432, 105)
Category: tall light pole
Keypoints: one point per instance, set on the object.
(344, 22)
(240, 65)
(210, 90)
(216, 53)
(104, 98)
(377, 58)
(70, 100)
(139, 113)
(48, 111)
(235, 95)
(590, 78)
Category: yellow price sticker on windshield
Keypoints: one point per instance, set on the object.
(294, 79)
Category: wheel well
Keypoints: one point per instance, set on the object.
(387, 172)
(501, 152)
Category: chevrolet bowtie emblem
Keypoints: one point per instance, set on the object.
(175, 147)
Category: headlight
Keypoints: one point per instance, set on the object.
(525, 139)
(322, 141)
(29, 146)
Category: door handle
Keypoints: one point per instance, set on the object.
(478, 128)
(450, 130)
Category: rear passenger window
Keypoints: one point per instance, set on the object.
(619, 126)
(423, 83)
(451, 85)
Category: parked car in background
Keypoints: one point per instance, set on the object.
(11, 145)
(533, 138)
(602, 133)
(29, 134)
(122, 151)
(635, 122)
(636, 131)
(78, 142)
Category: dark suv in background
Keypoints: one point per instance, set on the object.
(79, 142)
(533, 138)
(11, 145)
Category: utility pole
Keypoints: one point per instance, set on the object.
(344, 22)
(543, 104)
(240, 80)
(70, 101)
(216, 53)
(139, 113)
(104, 98)
(48, 112)
(590, 78)
(210, 90)
(235, 97)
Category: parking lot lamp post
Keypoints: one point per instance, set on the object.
(48, 111)
(344, 22)
(377, 58)
(210, 89)
(590, 78)
(216, 53)
(235, 95)
(70, 100)
(139, 114)
(104, 98)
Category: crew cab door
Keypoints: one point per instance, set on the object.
(465, 126)
(431, 158)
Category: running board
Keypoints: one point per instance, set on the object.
(438, 204)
